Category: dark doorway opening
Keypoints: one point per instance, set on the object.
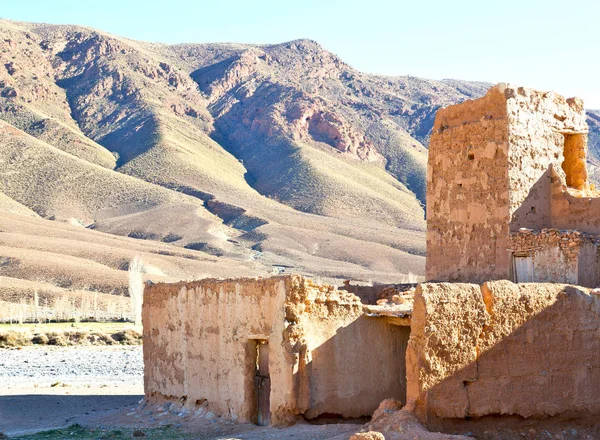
(262, 383)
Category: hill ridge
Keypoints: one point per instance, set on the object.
(269, 155)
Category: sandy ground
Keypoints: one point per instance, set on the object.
(43, 388)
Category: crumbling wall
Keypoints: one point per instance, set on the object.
(198, 343)
(559, 256)
(552, 204)
(512, 159)
(325, 355)
(337, 347)
(354, 360)
(503, 349)
(574, 209)
(370, 294)
(467, 191)
(541, 127)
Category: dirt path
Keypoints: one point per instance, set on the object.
(33, 411)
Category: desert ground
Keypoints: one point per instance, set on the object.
(47, 390)
(85, 389)
(96, 392)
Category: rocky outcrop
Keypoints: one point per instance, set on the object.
(311, 122)
(31, 100)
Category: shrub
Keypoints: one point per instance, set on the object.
(13, 338)
(77, 336)
(40, 339)
(57, 338)
(128, 337)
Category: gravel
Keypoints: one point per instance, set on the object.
(43, 366)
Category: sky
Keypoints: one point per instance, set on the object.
(548, 45)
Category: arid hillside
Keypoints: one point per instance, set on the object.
(593, 121)
(277, 157)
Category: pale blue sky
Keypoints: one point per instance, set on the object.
(543, 44)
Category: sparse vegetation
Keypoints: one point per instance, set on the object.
(237, 186)
(36, 253)
(171, 237)
(63, 334)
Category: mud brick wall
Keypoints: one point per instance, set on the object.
(541, 126)
(503, 349)
(497, 164)
(198, 343)
(325, 355)
(467, 191)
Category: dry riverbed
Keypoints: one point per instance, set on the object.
(43, 387)
(91, 367)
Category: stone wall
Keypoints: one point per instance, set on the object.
(503, 349)
(467, 191)
(559, 256)
(325, 355)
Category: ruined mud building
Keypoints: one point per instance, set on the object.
(268, 350)
(507, 195)
(493, 333)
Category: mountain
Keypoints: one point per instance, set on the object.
(272, 156)
(593, 120)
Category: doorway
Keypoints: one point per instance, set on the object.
(262, 383)
(523, 268)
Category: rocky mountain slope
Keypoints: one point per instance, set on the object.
(275, 156)
(593, 121)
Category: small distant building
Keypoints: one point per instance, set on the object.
(507, 191)
(269, 350)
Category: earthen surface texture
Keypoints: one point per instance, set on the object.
(503, 349)
(515, 158)
(200, 345)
